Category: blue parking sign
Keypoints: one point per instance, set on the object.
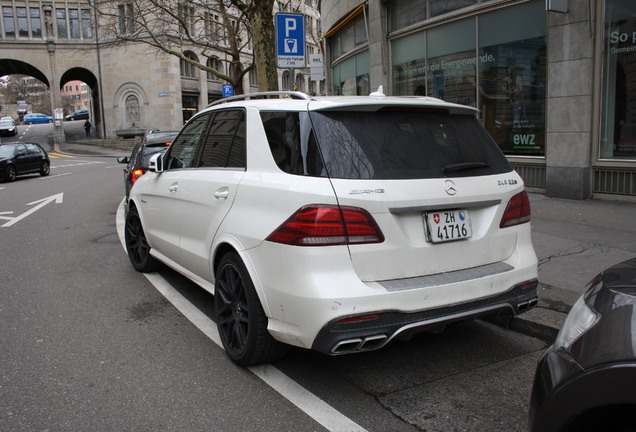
(290, 40)
(228, 90)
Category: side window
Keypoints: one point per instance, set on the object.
(31, 149)
(224, 146)
(183, 149)
(283, 131)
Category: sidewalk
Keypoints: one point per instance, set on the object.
(574, 241)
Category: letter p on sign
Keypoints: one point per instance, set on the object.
(290, 26)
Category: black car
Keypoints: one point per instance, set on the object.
(19, 159)
(78, 115)
(8, 128)
(586, 381)
(137, 163)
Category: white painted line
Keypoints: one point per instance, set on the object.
(53, 176)
(323, 413)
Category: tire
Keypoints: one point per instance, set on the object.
(10, 174)
(50, 121)
(137, 246)
(45, 168)
(240, 317)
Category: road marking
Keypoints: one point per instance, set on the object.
(53, 176)
(78, 163)
(323, 413)
(55, 155)
(58, 199)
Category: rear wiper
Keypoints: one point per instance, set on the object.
(464, 166)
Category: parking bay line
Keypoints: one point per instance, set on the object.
(323, 413)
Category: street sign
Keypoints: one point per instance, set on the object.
(316, 67)
(228, 90)
(290, 40)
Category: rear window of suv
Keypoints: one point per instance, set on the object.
(395, 143)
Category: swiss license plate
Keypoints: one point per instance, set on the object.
(448, 225)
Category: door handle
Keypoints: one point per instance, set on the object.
(222, 193)
(173, 187)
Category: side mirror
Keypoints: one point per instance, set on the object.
(123, 159)
(155, 164)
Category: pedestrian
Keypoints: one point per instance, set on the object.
(87, 127)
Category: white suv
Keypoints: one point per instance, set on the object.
(336, 223)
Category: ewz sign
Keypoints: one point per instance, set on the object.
(290, 40)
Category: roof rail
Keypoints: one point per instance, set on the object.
(263, 95)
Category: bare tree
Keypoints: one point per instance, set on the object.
(219, 33)
(260, 16)
(28, 89)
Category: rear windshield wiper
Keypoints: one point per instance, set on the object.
(464, 166)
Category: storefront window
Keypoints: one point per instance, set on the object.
(501, 69)
(351, 77)
(451, 62)
(408, 60)
(618, 128)
(512, 77)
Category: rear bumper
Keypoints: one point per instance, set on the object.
(370, 331)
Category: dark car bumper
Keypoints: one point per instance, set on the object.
(359, 334)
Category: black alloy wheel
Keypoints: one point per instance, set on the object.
(10, 174)
(241, 321)
(137, 246)
(45, 168)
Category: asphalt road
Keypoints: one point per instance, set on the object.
(90, 344)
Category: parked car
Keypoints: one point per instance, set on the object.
(137, 163)
(77, 115)
(7, 127)
(37, 118)
(584, 382)
(337, 223)
(20, 159)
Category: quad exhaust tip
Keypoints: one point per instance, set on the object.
(527, 305)
(368, 343)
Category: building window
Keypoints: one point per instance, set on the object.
(349, 38)
(190, 106)
(188, 69)
(36, 22)
(217, 65)
(253, 77)
(351, 77)
(62, 27)
(212, 26)
(403, 13)
(87, 28)
(509, 67)
(186, 18)
(441, 7)
(126, 18)
(23, 25)
(512, 77)
(73, 18)
(9, 26)
(618, 117)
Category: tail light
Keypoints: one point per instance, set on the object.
(326, 225)
(517, 211)
(135, 175)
